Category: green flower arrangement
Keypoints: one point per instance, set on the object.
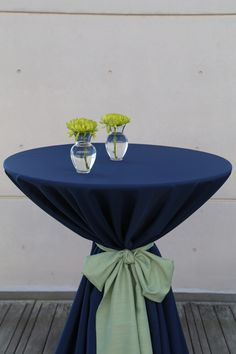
(83, 126)
(114, 120)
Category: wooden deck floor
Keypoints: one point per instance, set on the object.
(34, 327)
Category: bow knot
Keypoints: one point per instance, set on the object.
(128, 256)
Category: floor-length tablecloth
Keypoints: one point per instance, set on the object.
(121, 205)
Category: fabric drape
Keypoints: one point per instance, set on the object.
(121, 205)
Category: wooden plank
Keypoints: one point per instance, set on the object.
(20, 328)
(192, 329)
(4, 307)
(57, 327)
(28, 329)
(228, 325)
(9, 324)
(183, 320)
(233, 309)
(212, 327)
(200, 329)
(39, 334)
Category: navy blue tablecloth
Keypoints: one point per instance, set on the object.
(121, 205)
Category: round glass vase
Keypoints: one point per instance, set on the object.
(116, 143)
(83, 154)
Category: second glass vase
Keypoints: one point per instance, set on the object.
(116, 143)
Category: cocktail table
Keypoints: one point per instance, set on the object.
(124, 304)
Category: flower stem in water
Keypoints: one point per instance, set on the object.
(85, 155)
(115, 144)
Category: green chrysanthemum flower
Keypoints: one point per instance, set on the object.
(114, 120)
(81, 126)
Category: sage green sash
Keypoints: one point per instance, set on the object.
(125, 277)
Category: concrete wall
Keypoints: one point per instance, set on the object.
(175, 74)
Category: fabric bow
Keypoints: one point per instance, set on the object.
(126, 277)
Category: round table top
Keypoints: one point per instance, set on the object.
(143, 165)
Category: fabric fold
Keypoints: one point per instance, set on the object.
(126, 277)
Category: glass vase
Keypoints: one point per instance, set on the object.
(116, 143)
(83, 154)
